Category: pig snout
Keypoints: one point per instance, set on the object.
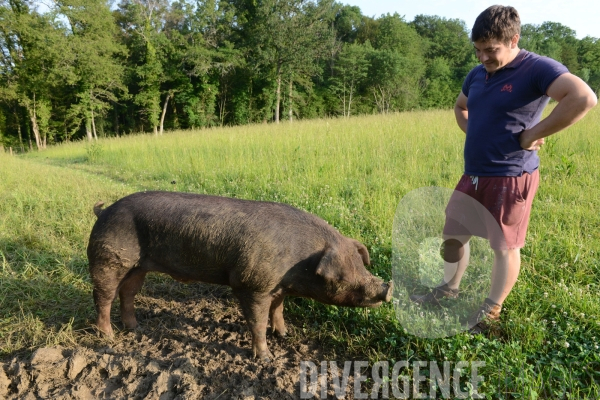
(383, 292)
(387, 291)
(374, 293)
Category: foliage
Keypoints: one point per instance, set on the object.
(96, 79)
(82, 69)
(449, 54)
(350, 71)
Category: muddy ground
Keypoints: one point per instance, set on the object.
(192, 343)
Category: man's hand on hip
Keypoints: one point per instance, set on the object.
(527, 143)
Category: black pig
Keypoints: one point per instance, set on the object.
(264, 251)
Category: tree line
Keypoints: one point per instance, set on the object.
(73, 69)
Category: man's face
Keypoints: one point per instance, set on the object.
(494, 54)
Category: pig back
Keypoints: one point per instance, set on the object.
(216, 239)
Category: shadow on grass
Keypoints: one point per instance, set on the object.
(46, 300)
(43, 296)
(82, 164)
(46, 297)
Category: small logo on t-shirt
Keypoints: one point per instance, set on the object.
(506, 88)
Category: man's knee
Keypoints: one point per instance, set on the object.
(505, 253)
(452, 249)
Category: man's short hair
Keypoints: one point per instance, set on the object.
(501, 23)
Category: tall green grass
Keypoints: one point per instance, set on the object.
(351, 172)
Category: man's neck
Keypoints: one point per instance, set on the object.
(513, 54)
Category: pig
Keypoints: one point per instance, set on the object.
(263, 250)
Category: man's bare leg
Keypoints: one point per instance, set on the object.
(453, 248)
(505, 271)
(507, 265)
(454, 271)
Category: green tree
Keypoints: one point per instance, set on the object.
(97, 73)
(531, 38)
(210, 59)
(449, 56)
(288, 37)
(350, 71)
(440, 89)
(348, 20)
(185, 62)
(552, 39)
(32, 61)
(397, 66)
(445, 38)
(588, 51)
(141, 23)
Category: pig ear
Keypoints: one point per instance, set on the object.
(362, 250)
(328, 268)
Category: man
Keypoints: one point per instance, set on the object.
(499, 109)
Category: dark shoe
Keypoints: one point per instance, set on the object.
(436, 294)
(482, 320)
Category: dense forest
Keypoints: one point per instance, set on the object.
(73, 69)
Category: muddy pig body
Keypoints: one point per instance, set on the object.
(264, 251)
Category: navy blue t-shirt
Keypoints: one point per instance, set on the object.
(500, 107)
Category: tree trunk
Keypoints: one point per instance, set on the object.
(34, 126)
(381, 101)
(28, 135)
(20, 138)
(19, 130)
(291, 110)
(67, 138)
(222, 103)
(94, 125)
(343, 98)
(116, 123)
(164, 112)
(350, 94)
(278, 100)
(92, 114)
(88, 129)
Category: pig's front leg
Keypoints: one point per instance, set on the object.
(276, 315)
(255, 307)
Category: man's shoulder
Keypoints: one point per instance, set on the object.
(534, 58)
(542, 70)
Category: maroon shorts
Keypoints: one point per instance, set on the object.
(496, 208)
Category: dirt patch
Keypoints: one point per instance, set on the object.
(187, 347)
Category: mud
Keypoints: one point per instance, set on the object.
(192, 343)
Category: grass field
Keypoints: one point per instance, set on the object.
(351, 172)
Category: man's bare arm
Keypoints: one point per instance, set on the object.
(575, 99)
(460, 111)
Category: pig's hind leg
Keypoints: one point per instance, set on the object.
(102, 302)
(276, 316)
(130, 286)
(106, 282)
(255, 307)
